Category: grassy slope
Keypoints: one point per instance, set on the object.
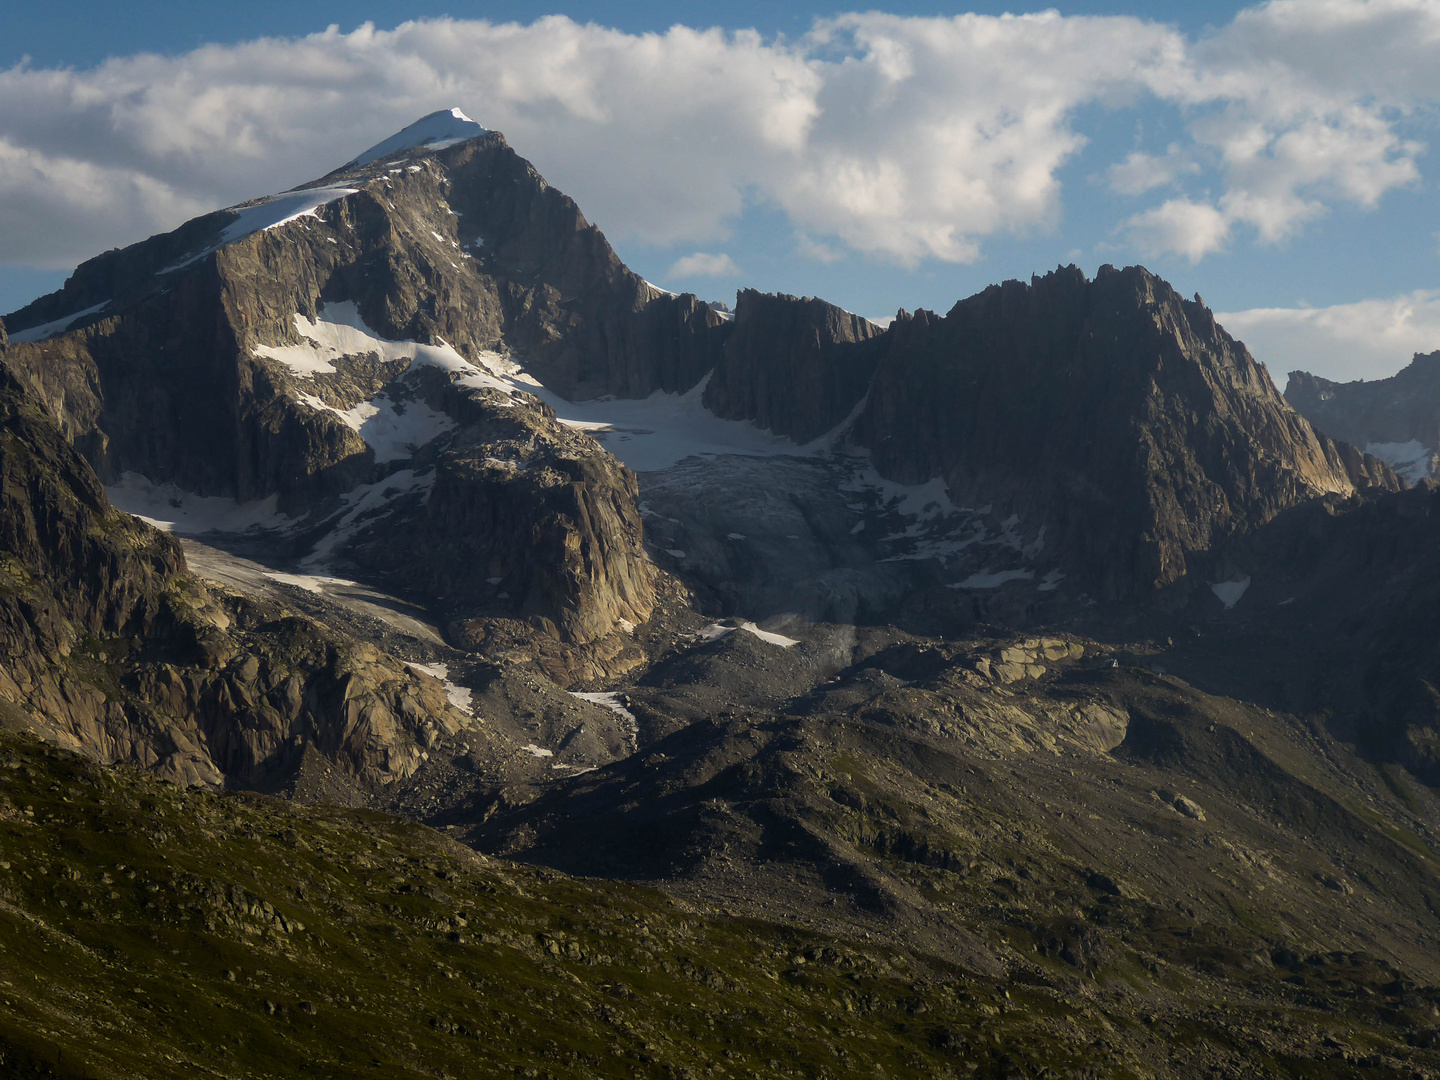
(152, 931)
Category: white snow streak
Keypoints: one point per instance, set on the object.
(175, 510)
(434, 132)
(50, 329)
(987, 579)
(460, 696)
(715, 631)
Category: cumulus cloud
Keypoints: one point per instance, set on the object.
(816, 251)
(1141, 172)
(704, 264)
(902, 138)
(1191, 229)
(1371, 339)
(1299, 103)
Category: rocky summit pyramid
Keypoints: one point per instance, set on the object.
(1024, 691)
(348, 350)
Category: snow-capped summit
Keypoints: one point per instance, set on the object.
(439, 129)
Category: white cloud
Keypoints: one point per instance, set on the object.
(1141, 172)
(42, 196)
(1191, 229)
(1370, 339)
(898, 137)
(1300, 103)
(704, 264)
(815, 251)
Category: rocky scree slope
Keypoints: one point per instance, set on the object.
(939, 792)
(1397, 419)
(112, 649)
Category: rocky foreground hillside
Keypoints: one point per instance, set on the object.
(638, 687)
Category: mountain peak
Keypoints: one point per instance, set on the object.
(444, 127)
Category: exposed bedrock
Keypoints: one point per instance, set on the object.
(466, 250)
(797, 367)
(112, 649)
(1113, 412)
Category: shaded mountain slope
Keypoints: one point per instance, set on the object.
(796, 367)
(936, 786)
(1114, 414)
(1397, 419)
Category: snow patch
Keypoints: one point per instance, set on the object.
(715, 631)
(433, 132)
(363, 503)
(276, 210)
(174, 510)
(664, 429)
(1230, 592)
(1409, 459)
(338, 330)
(268, 213)
(1050, 581)
(921, 501)
(50, 329)
(987, 579)
(460, 696)
(537, 751)
(393, 430)
(610, 699)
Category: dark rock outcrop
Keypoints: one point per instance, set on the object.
(795, 367)
(1346, 616)
(1398, 417)
(1113, 412)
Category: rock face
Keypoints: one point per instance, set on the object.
(112, 649)
(354, 349)
(795, 367)
(1105, 431)
(1396, 419)
(1349, 604)
(1113, 411)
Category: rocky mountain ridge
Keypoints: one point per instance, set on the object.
(365, 350)
(1396, 419)
(190, 331)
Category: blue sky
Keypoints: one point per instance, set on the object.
(60, 34)
(1276, 159)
